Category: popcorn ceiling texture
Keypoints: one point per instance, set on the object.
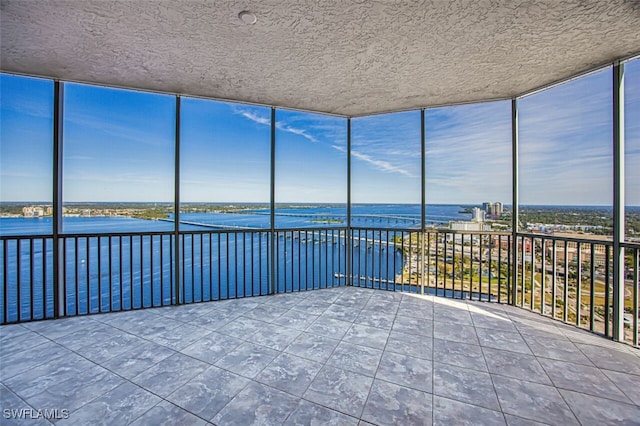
(336, 56)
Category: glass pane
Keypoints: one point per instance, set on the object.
(385, 170)
(26, 155)
(311, 170)
(225, 164)
(118, 160)
(468, 165)
(632, 149)
(565, 157)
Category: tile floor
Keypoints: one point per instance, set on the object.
(341, 356)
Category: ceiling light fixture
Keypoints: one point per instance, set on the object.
(247, 17)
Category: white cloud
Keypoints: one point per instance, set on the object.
(381, 165)
(266, 121)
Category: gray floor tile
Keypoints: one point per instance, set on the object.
(382, 305)
(627, 383)
(356, 358)
(459, 354)
(242, 327)
(492, 321)
(515, 365)
(11, 331)
(257, 405)
(461, 384)
(582, 378)
(532, 401)
(390, 404)
(413, 325)
(248, 359)
(504, 340)
(35, 380)
(407, 371)
(329, 327)
(450, 314)
(449, 412)
(18, 409)
(379, 319)
(215, 320)
(212, 347)
(414, 345)
(137, 359)
(310, 414)
(266, 312)
(340, 390)
(18, 362)
(563, 350)
(295, 319)
(519, 421)
(614, 359)
(167, 414)
(596, 377)
(274, 336)
(77, 391)
(592, 410)
(289, 373)
(103, 350)
(180, 337)
(456, 333)
(208, 392)
(419, 311)
(312, 347)
(21, 343)
(312, 307)
(61, 327)
(121, 405)
(342, 312)
(367, 336)
(152, 326)
(169, 374)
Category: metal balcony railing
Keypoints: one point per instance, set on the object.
(568, 279)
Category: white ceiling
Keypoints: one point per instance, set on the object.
(336, 56)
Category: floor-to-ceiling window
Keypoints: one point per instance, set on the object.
(566, 191)
(224, 187)
(118, 177)
(386, 192)
(26, 155)
(26, 195)
(310, 193)
(632, 149)
(468, 189)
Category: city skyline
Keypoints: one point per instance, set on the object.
(119, 146)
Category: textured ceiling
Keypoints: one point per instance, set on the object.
(342, 57)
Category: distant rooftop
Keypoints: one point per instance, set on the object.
(341, 57)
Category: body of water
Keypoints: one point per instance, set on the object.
(129, 271)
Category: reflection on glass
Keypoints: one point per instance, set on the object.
(26, 155)
(118, 160)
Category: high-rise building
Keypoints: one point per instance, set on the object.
(478, 215)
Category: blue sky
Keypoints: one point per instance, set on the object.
(118, 146)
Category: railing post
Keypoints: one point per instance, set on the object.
(272, 208)
(515, 220)
(58, 276)
(176, 205)
(618, 200)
